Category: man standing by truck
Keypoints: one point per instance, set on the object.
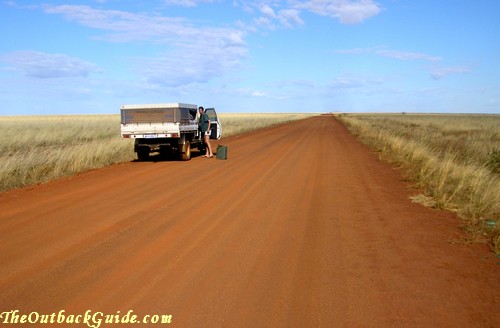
(205, 131)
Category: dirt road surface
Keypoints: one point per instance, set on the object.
(302, 226)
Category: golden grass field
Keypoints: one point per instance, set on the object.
(37, 149)
(454, 159)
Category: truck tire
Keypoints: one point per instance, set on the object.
(142, 154)
(186, 155)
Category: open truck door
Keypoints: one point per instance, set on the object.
(215, 126)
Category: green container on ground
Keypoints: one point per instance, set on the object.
(221, 152)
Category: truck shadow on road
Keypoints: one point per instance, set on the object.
(160, 157)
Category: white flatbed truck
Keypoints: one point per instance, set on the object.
(166, 128)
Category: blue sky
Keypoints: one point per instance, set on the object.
(90, 57)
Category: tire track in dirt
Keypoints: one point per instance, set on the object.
(301, 227)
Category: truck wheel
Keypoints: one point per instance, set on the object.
(143, 154)
(186, 156)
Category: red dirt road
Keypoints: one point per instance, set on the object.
(301, 227)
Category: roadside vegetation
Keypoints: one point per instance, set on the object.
(454, 159)
(37, 149)
(233, 124)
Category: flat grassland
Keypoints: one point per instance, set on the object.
(37, 149)
(454, 159)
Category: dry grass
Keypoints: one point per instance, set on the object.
(453, 158)
(37, 149)
(233, 124)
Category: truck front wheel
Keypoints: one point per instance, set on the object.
(186, 155)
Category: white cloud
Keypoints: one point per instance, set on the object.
(352, 82)
(381, 51)
(195, 53)
(124, 26)
(439, 73)
(286, 17)
(264, 22)
(401, 55)
(436, 73)
(188, 64)
(258, 94)
(289, 16)
(43, 65)
(287, 13)
(129, 27)
(186, 3)
(346, 11)
(268, 11)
